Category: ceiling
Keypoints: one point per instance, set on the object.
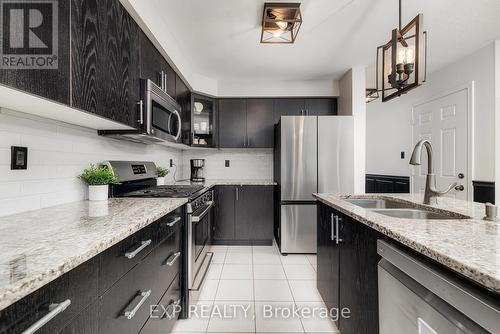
(220, 38)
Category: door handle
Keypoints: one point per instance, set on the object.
(338, 240)
(459, 188)
(172, 259)
(130, 314)
(237, 194)
(141, 112)
(174, 221)
(332, 227)
(144, 244)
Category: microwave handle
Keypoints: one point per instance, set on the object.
(176, 113)
(141, 112)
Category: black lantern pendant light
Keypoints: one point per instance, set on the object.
(404, 60)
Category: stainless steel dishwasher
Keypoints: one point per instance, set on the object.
(418, 297)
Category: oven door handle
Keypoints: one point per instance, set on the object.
(196, 219)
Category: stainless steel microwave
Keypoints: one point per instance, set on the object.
(159, 118)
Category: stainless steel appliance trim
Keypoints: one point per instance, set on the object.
(196, 219)
(174, 221)
(55, 310)
(202, 272)
(172, 259)
(298, 228)
(132, 254)
(470, 301)
(123, 170)
(130, 314)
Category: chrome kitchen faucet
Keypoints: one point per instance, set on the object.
(431, 193)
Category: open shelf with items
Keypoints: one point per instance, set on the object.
(203, 121)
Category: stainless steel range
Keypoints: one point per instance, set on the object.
(137, 179)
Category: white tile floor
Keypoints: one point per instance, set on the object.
(245, 282)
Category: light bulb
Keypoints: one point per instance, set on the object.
(410, 59)
(278, 33)
(401, 55)
(282, 24)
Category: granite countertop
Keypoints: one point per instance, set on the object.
(38, 246)
(470, 247)
(238, 182)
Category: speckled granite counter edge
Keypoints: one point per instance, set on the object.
(487, 281)
(10, 296)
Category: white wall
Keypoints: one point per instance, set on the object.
(278, 88)
(244, 164)
(352, 102)
(57, 153)
(389, 129)
(497, 117)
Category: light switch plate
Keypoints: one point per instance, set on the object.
(227, 163)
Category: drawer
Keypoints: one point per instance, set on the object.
(78, 285)
(85, 322)
(134, 293)
(119, 259)
(162, 321)
(167, 260)
(169, 224)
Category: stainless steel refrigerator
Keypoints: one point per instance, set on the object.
(312, 154)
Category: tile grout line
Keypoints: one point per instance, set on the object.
(216, 290)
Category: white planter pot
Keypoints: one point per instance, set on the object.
(160, 181)
(98, 193)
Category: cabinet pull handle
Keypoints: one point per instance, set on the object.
(144, 244)
(237, 194)
(130, 314)
(332, 230)
(55, 309)
(172, 259)
(141, 112)
(338, 240)
(174, 221)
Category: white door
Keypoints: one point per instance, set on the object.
(443, 121)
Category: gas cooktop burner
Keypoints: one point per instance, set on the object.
(165, 191)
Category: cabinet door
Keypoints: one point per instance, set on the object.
(183, 97)
(85, 323)
(321, 107)
(358, 277)
(225, 213)
(105, 60)
(254, 213)
(327, 259)
(260, 123)
(232, 123)
(52, 84)
(153, 63)
(288, 107)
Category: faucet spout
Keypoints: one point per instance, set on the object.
(431, 192)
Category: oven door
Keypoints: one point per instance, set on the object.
(164, 120)
(199, 257)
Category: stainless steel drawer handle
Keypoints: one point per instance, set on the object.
(130, 314)
(196, 219)
(174, 221)
(332, 227)
(144, 244)
(55, 309)
(172, 259)
(338, 240)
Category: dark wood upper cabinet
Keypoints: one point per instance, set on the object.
(260, 123)
(232, 123)
(288, 107)
(105, 60)
(52, 84)
(153, 64)
(320, 106)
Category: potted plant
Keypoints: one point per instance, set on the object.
(98, 179)
(161, 173)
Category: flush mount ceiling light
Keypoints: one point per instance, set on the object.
(280, 22)
(404, 60)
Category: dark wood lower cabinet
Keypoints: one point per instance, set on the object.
(244, 215)
(85, 323)
(347, 271)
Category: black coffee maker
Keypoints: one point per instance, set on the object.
(197, 170)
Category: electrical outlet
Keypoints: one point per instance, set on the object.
(18, 158)
(171, 162)
(227, 163)
(402, 155)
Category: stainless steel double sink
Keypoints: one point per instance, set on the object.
(403, 210)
